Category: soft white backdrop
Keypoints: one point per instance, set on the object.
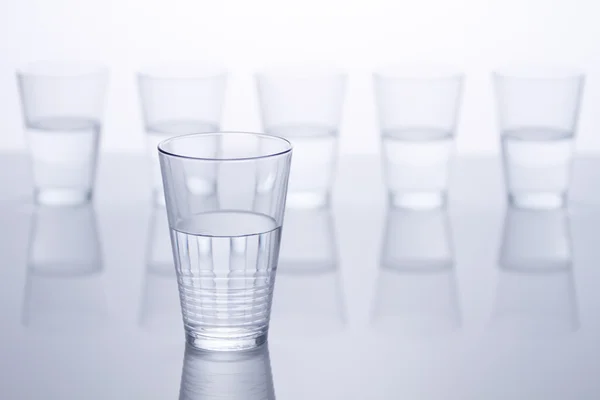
(476, 35)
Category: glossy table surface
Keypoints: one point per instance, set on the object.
(476, 302)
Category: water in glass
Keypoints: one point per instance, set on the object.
(537, 164)
(416, 163)
(226, 263)
(313, 163)
(64, 157)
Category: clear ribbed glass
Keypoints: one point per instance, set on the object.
(225, 195)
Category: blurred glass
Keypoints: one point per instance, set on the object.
(227, 375)
(178, 99)
(304, 105)
(62, 106)
(416, 291)
(64, 288)
(308, 300)
(538, 108)
(535, 294)
(417, 108)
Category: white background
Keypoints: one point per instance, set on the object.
(476, 35)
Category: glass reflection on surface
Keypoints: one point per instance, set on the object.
(535, 294)
(308, 294)
(416, 292)
(160, 309)
(159, 255)
(244, 375)
(64, 285)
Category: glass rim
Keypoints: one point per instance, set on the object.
(418, 71)
(62, 69)
(288, 146)
(182, 70)
(539, 72)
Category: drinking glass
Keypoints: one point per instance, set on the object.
(417, 109)
(236, 376)
(537, 113)
(178, 99)
(62, 107)
(535, 293)
(225, 252)
(416, 288)
(305, 107)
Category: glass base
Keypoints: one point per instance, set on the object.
(418, 200)
(62, 197)
(307, 199)
(538, 201)
(225, 344)
(226, 356)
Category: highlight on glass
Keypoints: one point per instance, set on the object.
(538, 108)
(226, 251)
(304, 105)
(62, 105)
(178, 99)
(417, 108)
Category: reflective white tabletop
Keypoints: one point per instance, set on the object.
(478, 302)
